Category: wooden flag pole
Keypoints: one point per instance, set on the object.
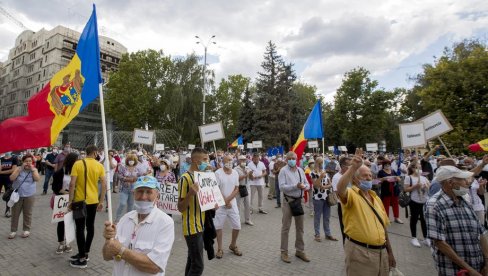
(447, 150)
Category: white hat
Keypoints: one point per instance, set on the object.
(273, 157)
(311, 161)
(188, 156)
(447, 172)
(307, 154)
(242, 157)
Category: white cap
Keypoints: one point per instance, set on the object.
(242, 157)
(447, 172)
(188, 156)
(307, 154)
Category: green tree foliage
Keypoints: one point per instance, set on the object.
(303, 99)
(457, 84)
(159, 91)
(246, 116)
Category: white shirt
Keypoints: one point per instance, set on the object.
(227, 183)
(256, 171)
(154, 237)
(394, 167)
(475, 198)
(335, 181)
(143, 166)
(419, 196)
(112, 171)
(271, 167)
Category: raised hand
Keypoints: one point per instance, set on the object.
(357, 160)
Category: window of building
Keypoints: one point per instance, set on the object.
(33, 56)
(29, 80)
(27, 94)
(47, 45)
(44, 73)
(12, 96)
(23, 109)
(10, 110)
(14, 84)
(39, 77)
(45, 60)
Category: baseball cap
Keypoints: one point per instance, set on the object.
(146, 181)
(139, 153)
(307, 154)
(447, 172)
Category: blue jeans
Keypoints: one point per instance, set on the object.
(126, 199)
(277, 191)
(47, 177)
(321, 209)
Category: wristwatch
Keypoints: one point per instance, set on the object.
(118, 257)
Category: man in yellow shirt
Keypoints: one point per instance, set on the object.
(367, 247)
(193, 218)
(82, 189)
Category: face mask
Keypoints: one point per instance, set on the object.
(202, 166)
(243, 164)
(83, 156)
(131, 163)
(162, 167)
(312, 166)
(365, 185)
(55, 151)
(461, 191)
(67, 149)
(143, 207)
(292, 163)
(280, 159)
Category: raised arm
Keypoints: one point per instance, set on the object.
(347, 178)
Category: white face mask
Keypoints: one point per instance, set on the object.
(243, 164)
(162, 167)
(228, 165)
(461, 191)
(143, 207)
(131, 163)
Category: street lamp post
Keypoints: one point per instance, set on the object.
(205, 46)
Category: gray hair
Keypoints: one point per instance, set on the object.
(291, 154)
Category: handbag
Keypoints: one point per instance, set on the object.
(296, 207)
(8, 193)
(404, 197)
(243, 192)
(79, 207)
(331, 198)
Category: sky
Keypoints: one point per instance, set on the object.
(324, 39)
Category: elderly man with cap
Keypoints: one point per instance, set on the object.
(141, 242)
(458, 237)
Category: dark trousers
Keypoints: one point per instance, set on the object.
(84, 244)
(60, 231)
(194, 262)
(49, 173)
(277, 191)
(417, 210)
(339, 214)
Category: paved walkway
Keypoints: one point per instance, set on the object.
(260, 245)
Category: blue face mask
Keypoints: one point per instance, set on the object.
(202, 166)
(365, 185)
(292, 163)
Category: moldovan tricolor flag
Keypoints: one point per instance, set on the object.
(480, 146)
(237, 142)
(68, 92)
(311, 130)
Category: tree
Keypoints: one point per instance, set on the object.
(456, 83)
(303, 98)
(246, 115)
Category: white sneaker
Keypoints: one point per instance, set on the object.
(415, 242)
(427, 242)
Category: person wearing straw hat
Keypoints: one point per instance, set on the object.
(458, 239)
(141, 242)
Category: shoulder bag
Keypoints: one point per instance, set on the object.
(404, 197)
(243, 192)
(296, 204)
(79, 207)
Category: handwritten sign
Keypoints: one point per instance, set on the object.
(412, 135)
(143, 137)
(435, 125)
(209, 193)
(168, 198)
(60, 208)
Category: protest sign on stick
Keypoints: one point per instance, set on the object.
(168, 198)
(412, 135)
(209, 193)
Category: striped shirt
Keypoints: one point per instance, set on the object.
(192, 218)
(458, 226)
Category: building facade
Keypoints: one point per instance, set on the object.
(33, 61)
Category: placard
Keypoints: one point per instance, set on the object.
(249, 145)
(372, 147)
(211, 132)
(168, 198)
(331, 148)
(435, 125)
(313, 144)
(69, 228)
(209, 193)
(342, 148)
(191, 147)
(159, 147)
(257, 144)
(60, 208)
(412, 135)
(142, 136)
(240, 147)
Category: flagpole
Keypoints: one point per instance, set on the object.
(105, 152)
(323, 146)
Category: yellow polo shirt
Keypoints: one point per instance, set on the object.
(360, 222)
(95, 171)
(193, 219)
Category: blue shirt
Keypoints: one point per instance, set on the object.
(26, 183)
(435, 186)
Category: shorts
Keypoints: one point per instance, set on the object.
(223, 213)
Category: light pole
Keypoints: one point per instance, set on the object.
(205, 46)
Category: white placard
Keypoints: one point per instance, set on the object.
(257, 144)
(69, 227)
(435, 125)
(142, 136)
(342, 148)
(211, 132)
(313, 144)
(60, 208)
(159, 147)
(372, 147)
(412, 135)
(249, 145)
(240, 147)
(168, 198)
(209, 193)
(191, 147)
(331, 148)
